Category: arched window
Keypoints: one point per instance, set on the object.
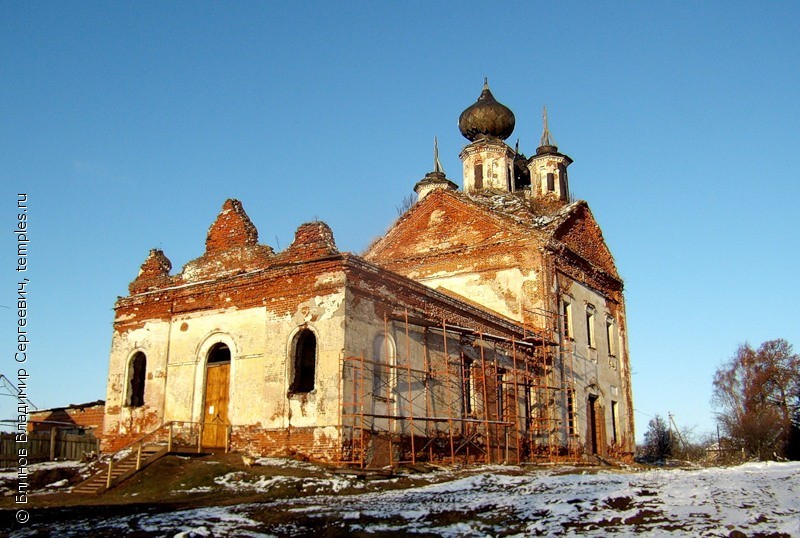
(137, 370)
(384, 358)
(305, 362)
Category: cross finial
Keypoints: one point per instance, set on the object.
(437, 166)
(547, 138)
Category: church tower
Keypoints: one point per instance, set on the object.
(548, 168)
(488, 160)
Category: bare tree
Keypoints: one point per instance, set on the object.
(405, 204)
(757, 393)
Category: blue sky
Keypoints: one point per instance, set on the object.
(129, 124)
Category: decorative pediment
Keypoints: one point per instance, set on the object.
(580, 232)
(441, 222)
(231, 247)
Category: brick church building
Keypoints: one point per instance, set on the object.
(488, 324)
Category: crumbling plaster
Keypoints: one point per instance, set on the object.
(597, 372)
(261, 367)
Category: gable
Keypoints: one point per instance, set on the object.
(581, 233)
(441, 222)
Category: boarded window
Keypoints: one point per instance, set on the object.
(305, 362)
(137, 370)
(479, 176)
(502, 412)
(469, 390)
(383, 358)
(614, 421)
(572, 422)
(566, 314)
(551, 182)
(590, 326)
(610, 336)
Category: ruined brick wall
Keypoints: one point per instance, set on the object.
(252, 300)
(582, 234)
(88, 416)
(256, 302)
(309, 443)
(516, 260)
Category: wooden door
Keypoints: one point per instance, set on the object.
(215, 418)
(592, 425)
(597, 427)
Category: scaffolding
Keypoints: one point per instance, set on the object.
(435, 392)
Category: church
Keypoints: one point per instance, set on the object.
(487, 325)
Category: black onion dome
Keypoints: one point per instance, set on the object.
(487, 117)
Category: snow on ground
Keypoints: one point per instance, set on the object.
(237, 481)
(11, 474)
(200, 522)
(755, 499)
(9, 479)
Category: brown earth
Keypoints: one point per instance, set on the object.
(180, 482)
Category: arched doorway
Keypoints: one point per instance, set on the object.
(217, 390)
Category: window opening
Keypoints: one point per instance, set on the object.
(478, 176)
(137, 371)
(614, 420)
(567, 315)
(501, 400)
(305, 362)
(383, 356)
(469, 392)
(571, 418)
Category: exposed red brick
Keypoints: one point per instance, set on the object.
(153, 274)
(312, 240)
(582, 234)
(87, 416)
(233, 228)
(292, 442)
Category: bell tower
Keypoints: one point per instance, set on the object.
(548, 168)
(488, 160)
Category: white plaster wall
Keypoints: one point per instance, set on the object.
(496, 160)
(152, 340)
(597, 372)
(260, 341)
(192, 336)
(539, 167)
(500, 291)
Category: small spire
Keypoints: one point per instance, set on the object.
(485, 83)
(516, 147)
(547, 138)
(437, 166)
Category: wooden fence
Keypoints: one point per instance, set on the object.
(47, 446)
